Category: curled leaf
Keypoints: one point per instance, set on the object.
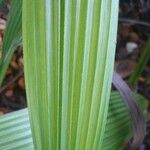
(136, 114)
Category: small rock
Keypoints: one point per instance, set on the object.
(131, 46)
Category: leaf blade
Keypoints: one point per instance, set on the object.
(72, 55)
(17, 123)
(12, 36)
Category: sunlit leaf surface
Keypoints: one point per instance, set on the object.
(15, 132)
(69, 49)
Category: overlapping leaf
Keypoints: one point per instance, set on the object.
(139, 128)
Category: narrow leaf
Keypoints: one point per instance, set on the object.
(141, 65)
(12, 36)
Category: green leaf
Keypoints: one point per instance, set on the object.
(143, 102)
(12, 36)
(69, 49)
(15, 132)
(1, 2)
(140, 67)
(118, 128)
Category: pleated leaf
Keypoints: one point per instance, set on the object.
(119, 127)
(12, 36)
(69, 49)
(15, 131)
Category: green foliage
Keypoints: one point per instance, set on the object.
(69, 49)
(15, 132)
(118, 128)
(142, 63)
(12, 36)
(1, 2)
(142, 101)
